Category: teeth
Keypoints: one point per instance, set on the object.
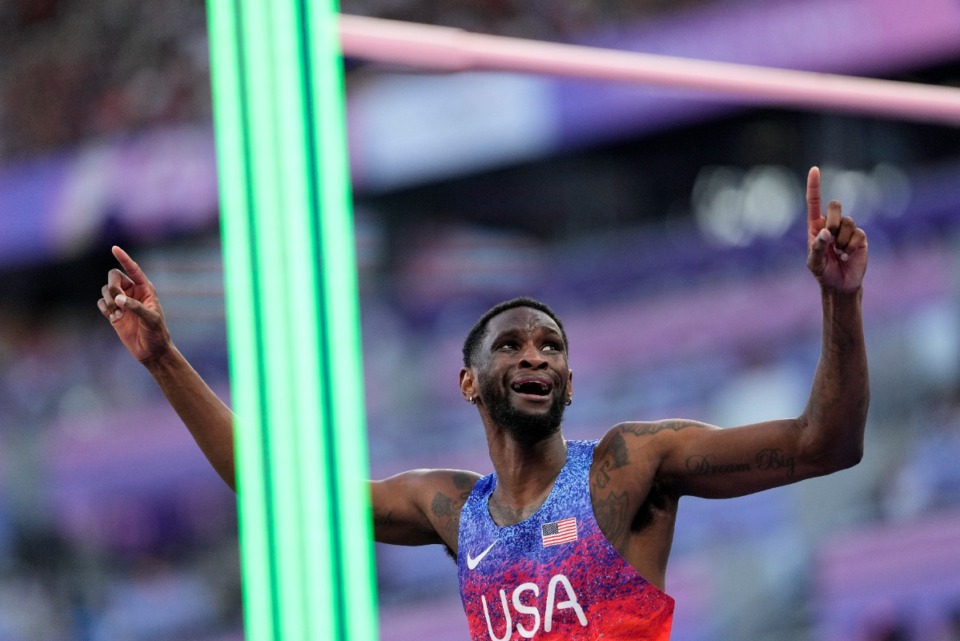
(531, 387)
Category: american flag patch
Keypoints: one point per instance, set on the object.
(559, 532)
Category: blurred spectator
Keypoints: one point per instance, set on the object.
(890, 631)
(951, 626)
(928, 477)
(78, 70)
(156, 601)
(884, 622)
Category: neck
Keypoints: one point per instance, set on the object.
(525, 474)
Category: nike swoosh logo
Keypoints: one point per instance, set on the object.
(473, 562)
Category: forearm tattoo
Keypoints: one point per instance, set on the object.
(841, 376)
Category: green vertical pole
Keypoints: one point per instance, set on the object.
(293, 321)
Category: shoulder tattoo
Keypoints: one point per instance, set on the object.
(446, 505)
(648, 429)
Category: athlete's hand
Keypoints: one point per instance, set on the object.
(836, 247)
(130, 304)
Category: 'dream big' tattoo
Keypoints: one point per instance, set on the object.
(774, 459)
(707, 465)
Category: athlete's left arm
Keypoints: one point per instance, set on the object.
(698, 459)
(827, 437)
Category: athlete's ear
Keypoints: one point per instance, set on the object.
(468, 385)
(569, 387)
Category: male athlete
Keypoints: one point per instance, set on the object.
(567, 539)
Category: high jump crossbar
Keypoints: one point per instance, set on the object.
(453, 50)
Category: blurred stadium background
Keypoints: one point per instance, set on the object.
(665, 227)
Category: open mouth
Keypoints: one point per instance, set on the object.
(531, 387)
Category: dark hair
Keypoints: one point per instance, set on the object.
(472, 343)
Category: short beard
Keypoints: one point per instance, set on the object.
(525, 427)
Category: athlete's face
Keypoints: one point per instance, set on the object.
(522, 375)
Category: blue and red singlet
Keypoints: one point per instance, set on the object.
(553, 575)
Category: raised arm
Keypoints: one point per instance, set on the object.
(828, 435)
(129, 301)
(703, 460)
(413, 508)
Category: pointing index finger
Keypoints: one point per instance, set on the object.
(814, 211)
(130, 266)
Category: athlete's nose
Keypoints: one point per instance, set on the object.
(531, 357)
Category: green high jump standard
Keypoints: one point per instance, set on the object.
(292, 320)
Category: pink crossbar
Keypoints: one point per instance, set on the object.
(448, 49)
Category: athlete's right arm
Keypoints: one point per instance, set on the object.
(413, 508)
(420, 507)
(129, 301)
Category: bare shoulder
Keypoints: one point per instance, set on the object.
(643, 429)
(433, 479)
(429, 489)
(633, 504)
(448, 487)
(627, 460)
(629, 437)
(416, 506)
(450, 490)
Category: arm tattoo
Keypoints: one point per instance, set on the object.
(613, 511)
(442, 505)
(617, 454)
(774, 459)
(769, 459)
(707, 465)
(447, 508)
(383, 519)
(614, 458)
(448, 521)
(464, 483)
(611, 515)
(644, 429)
(838, 342)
